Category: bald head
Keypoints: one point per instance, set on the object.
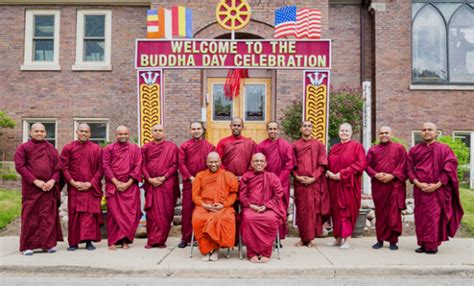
(122, 134)
(429, 131)
(196, 130)
(83, 132)
(158, 132)
(213, 162)
(306, 129)
(38, 131)
(345, 132)
(236, 126)
(259, 162)
(385, 134)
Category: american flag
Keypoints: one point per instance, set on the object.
(298, 23)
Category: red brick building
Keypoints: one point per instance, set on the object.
(63, 62)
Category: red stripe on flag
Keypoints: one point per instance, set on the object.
(175, 20)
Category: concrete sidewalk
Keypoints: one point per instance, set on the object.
(455, 258)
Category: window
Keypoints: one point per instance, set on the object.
(255, 102)
(442, 42)
(221, 105)
(416, 137)
(99, 129)
(465, 137)
(49, 123)
(93, 40)
(41, 40)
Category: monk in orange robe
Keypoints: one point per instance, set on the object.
(214, 193)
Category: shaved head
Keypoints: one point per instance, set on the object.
(346, 125)
(259, 156)
(385, 128)
(385, 134)
(37, 125)
(429, 125)
(83, 126)
(429, 131)
(213, 162)
(122, 128)
(259, 162)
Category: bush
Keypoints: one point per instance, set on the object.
(9, 177)
(460, 150)
(6, 121)
(345, 105)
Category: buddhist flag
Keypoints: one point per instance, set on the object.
(182, 25)
(152, 24)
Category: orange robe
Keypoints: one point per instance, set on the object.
(214, 229)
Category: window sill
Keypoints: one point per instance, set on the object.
(440, 87)
(92, 67)
(40, 67)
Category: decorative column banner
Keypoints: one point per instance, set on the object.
(150, 102)
(316, 102)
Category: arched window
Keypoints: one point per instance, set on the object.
(442, 42)
(429, 46)
(461, 45)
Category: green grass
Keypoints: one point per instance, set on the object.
(467, 200)
(10, 206)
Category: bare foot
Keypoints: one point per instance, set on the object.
(254, 259)
(264, 259)
(112, 247)
(311, 244)
(299, 243)
(125, 246)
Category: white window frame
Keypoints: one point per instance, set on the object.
(440, 133)
(80, 64)
(29, 63)
(92, 120)
(26, 129)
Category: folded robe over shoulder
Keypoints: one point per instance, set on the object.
(160, 159)
(259, 230)
(40, 226)
(312, 201)
(81, 162)
(123, 162)
(280, 161)
(349, 160)
(389, 198)
(192, 158)
(236, 153)
(437, 214)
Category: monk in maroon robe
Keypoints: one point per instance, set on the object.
(386, 165)
(236, 150)
(121, 163)
(311, 194)
(432, 168)
(347, 162)
(260, 196)
(37, 162)
(81, 166)
(192, 160)
(160, 170)
(280, 161)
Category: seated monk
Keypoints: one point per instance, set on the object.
(260, 196)
(214, 192)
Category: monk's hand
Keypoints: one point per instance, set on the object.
(191, 179)
(255, 208)
(337, 176)
(154, 182)
(262, 209)
(432, 187)
(218, 206)
(48, 185)
(85, 186)
(310, 180)
(209, 207)
(379, 176)
(39, 183)
(387, 178)
(420, 185)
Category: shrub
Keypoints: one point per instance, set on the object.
(9, 177)
(460, 150)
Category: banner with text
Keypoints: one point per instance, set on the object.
(265, 54)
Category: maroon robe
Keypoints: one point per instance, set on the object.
(280, 161)
(82, 162)
(389, 198)
(236, 153)
(123, 162)
(40, 225)
(437, 214)
(259, 229)
(311, 201)
(349, 160)
(192, 158)
(160, 159)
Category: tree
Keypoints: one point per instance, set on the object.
(6, 121)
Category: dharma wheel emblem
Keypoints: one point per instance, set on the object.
(233, 14)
